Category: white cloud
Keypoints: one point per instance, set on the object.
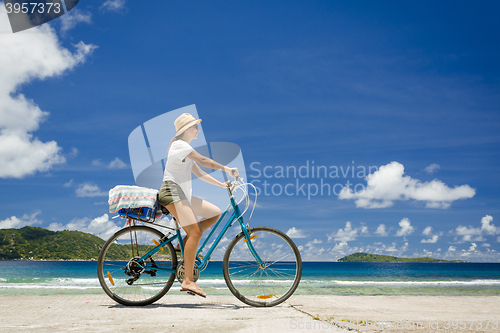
(468, 233)
(381, 231)
(101, 226)
(404, 247)
(474, 254)
(432, 168)
(117, 164)
(68, 184)
(97, 162)
(488, 228)
(426, 253)
(432, 240)
(391, 248)
(72, 18)
(341, 246)
(471, 253)
(476, 234)
(14, 222)
(344, 235)
(405, 228)
(24, 57)
(89, 190)
(341, 249)
(22, 155)
(427, 231)
(74, 152)
(312, 253)
(295, 233)
(314, 242)
(113, 5)
(389, 184)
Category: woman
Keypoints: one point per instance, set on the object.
(175, 192)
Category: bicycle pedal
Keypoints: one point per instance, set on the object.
(191, 293)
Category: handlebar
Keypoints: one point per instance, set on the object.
(232, 185)
(236, 183)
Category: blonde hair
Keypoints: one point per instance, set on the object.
(175, 138)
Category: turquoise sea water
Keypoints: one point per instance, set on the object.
(318, 278)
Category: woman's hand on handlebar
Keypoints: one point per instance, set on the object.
(225, 184)
(233, 172)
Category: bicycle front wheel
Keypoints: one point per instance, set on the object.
(262, 285)
(127, 278)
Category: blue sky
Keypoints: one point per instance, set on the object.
(408, 89)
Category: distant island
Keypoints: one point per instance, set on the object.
(30, 243)
(366, 257)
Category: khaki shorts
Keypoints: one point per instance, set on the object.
(170, 192)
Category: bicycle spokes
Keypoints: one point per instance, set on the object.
(136, 272)
(266, 284)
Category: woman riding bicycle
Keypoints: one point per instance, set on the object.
(176, 193)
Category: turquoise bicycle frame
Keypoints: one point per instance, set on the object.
(235, 216)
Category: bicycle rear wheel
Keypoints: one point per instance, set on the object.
(267, 285)
(131, 281)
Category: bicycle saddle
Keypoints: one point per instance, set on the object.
(164, 210)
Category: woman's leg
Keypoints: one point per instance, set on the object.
(186, 217)
(209, 212)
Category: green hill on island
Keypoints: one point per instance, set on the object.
(31, 243)
(366, 257)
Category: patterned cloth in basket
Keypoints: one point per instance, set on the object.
(122, 196)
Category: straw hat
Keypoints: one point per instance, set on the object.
(183, 122)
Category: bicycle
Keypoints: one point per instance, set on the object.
(262, 266)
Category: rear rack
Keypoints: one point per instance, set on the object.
(144, 214)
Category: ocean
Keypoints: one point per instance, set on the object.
(318, 278)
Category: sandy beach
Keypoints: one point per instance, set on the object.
(184, 313)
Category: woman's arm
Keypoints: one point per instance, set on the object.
(209, 163)
(206, 177)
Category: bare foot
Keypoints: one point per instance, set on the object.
(193, 287)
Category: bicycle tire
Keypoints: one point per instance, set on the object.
(262, 286)
(119, 250)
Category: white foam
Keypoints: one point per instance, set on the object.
(33, 286)
(404, 283)
(55, 283)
